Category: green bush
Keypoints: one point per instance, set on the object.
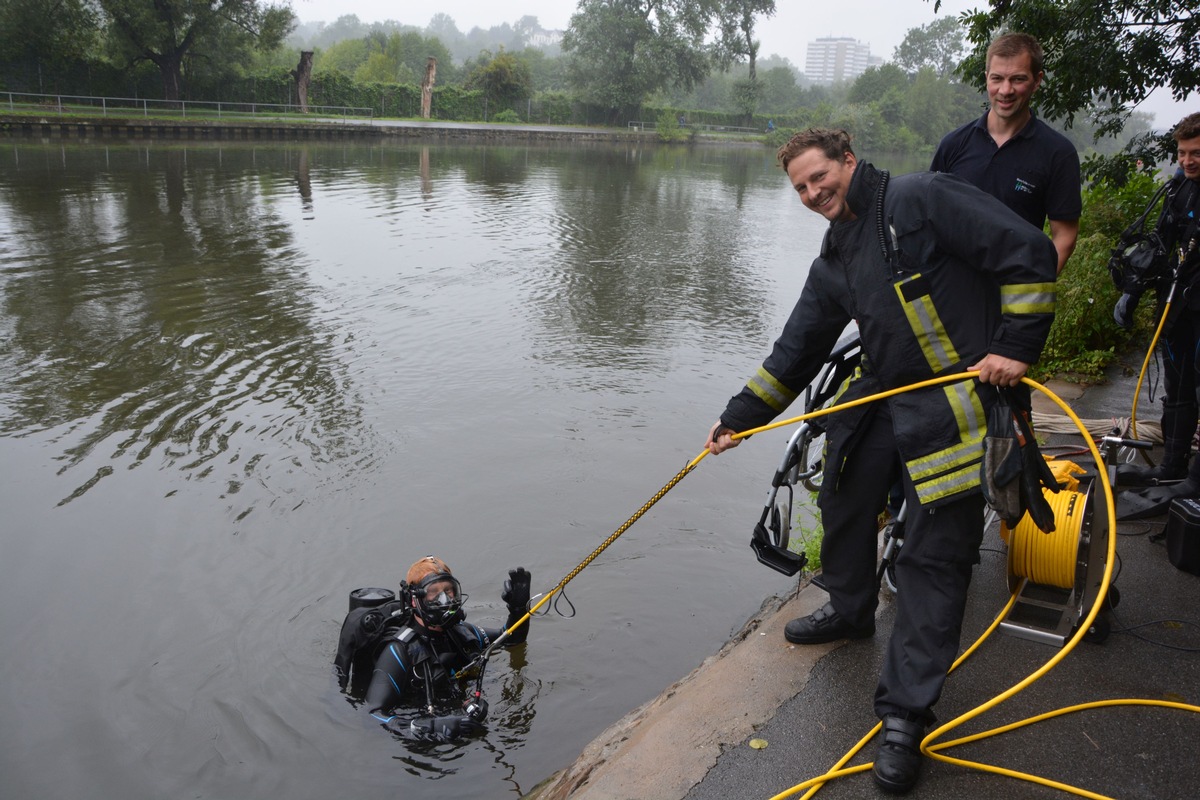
(667, 128)
(507, 115)
(554, 108)
(807, 531)
(1084, 338)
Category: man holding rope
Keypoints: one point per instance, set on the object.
(939, 278)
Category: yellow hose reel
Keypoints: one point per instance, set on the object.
(1057, 575)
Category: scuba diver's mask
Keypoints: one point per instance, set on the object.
(439, 600)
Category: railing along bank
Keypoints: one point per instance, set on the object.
(104, 106)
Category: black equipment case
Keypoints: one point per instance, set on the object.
(1183, 535)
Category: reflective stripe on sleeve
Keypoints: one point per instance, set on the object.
(766, 388)
(1028, 298)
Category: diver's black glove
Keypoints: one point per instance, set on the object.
(516, 590)
(444, 729)
(1013, 471)
(1123, 310)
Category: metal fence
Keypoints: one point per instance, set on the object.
(78, 105)
(638, 125)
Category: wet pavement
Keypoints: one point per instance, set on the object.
(811, 705)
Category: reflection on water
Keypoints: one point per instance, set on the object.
(238, 381)
(161, 316)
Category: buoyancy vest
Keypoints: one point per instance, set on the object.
(364, 631)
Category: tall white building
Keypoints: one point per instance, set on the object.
(838, 58)
(542, 38)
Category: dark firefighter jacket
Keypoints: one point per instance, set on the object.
(936, 274)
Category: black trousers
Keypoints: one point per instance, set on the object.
(1181, 387)
(933, 570)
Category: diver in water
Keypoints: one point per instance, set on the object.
(413, 651)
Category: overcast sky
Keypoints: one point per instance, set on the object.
(878, 23)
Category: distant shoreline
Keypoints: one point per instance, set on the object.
(127, 127)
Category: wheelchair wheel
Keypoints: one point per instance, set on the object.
(781, 520)
(891, 549)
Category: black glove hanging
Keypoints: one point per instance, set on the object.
(1013, 471)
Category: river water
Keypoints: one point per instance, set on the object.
(238, 381)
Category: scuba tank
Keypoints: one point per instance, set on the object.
(373, 613)
(370, 597)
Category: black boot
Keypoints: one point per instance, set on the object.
(898, 762)
(1178, 428)
(824, 625)
(1135, 476)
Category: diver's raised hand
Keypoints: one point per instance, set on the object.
(516, 589)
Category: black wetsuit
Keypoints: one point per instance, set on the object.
(388, 658)
(416, 666)
(1177, 227)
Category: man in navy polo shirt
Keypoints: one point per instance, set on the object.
(1011, 154)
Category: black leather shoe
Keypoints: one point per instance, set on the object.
(898, 763)
(824, 625)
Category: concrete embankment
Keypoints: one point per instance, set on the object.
(241, 129)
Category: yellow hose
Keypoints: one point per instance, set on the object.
(1049, 558)
(1137, 392)
(932, 750)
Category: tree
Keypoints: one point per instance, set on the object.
(1102, 56)
(778, 90)
(378, 68)
(928, 107)
(412, 51)
(47, 34)
(527, 26)
(165, 32)
(938, 45)
(736, 22)
(427, 87)
(620, 51)
(549, 72)
(345, 56)
(876, 82)
(302, 74)
(503, 78)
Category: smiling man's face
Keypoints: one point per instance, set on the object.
(823, 182)
(1010, 85)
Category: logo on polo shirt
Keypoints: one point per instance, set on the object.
(1023, 185)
